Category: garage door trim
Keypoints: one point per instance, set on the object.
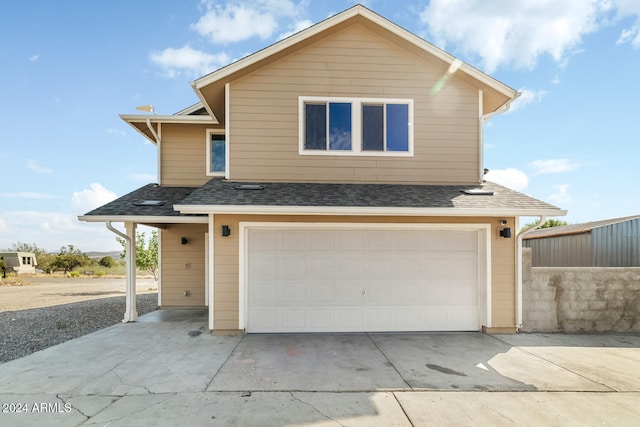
(484, 254)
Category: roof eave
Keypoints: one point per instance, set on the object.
(133, 119)
(365, 211)
(145, 219)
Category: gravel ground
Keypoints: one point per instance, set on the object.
(23, 332)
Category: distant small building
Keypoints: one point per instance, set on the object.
(19, 262)
(608, 243)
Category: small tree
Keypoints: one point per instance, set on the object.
(552, 222)
(69, 258)
(146, 252)
(107, 262)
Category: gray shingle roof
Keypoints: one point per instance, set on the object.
(219, 192)
(129, 204)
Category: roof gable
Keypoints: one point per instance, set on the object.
(210, 88)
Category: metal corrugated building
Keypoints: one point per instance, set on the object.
(607, 243)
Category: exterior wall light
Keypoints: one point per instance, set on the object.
(226, 231)
(184, 240)
(505, 232)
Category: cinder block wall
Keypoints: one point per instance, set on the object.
(580, 299)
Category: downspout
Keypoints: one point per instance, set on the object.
(519, 237)
(131, 313)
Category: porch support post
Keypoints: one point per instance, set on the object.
(131, 313)
(210, 266)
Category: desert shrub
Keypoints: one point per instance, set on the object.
(74, 274)
(108, 262)
(100, 273)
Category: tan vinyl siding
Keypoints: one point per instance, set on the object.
(226, 262)
(183, 266)
(353, 63)
(183, 155)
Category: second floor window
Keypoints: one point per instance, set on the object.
(216, 153)
(356, 126)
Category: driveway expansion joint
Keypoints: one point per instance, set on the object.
(315, 409)
(389, 361)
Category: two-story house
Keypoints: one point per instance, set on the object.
(333, 181)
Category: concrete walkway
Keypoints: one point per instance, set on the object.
(168, 370)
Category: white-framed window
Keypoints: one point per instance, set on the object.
(355, 126)
(216, 152)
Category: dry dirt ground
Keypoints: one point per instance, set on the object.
(39, 312)
(42, 291)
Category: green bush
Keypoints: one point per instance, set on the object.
(100, 273)
(74, 274)
(108, 262)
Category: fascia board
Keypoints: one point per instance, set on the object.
(140, 219)
(132, 119)
(365, 211)
(142, 118)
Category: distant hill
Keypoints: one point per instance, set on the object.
(113, 254)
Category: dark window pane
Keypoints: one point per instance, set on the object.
(315, 137)
(218, 146)
(372, 128)
(397, 127)
(339, 126)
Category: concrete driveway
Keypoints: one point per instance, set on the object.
(168, 370)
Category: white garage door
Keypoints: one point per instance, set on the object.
(352, 280)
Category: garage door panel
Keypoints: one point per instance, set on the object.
(406, 241)
(353, 241)
(350, 266)
(378, 293)
(264, 294)
(263, 266)
(462, 241)
(321, 293)
(362, 280)
(290, 240)
(321, 241)
(379, 240)
(321, 266)
(377, 266)
(291, 266)
(407, 266)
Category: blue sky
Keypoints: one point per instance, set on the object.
(70, 67)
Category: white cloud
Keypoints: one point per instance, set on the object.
(237, 21)
(28, 195)
(518, 33)
(295, 28)
(527, 97)
(34, 166)
(187, 60)
(510, 177)
(52, 230)
(626, 9)
(546, 167)
(34, 58)
(91, 198)
(561, 196)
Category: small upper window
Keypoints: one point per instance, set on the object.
(356, 126)
(216, 153)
